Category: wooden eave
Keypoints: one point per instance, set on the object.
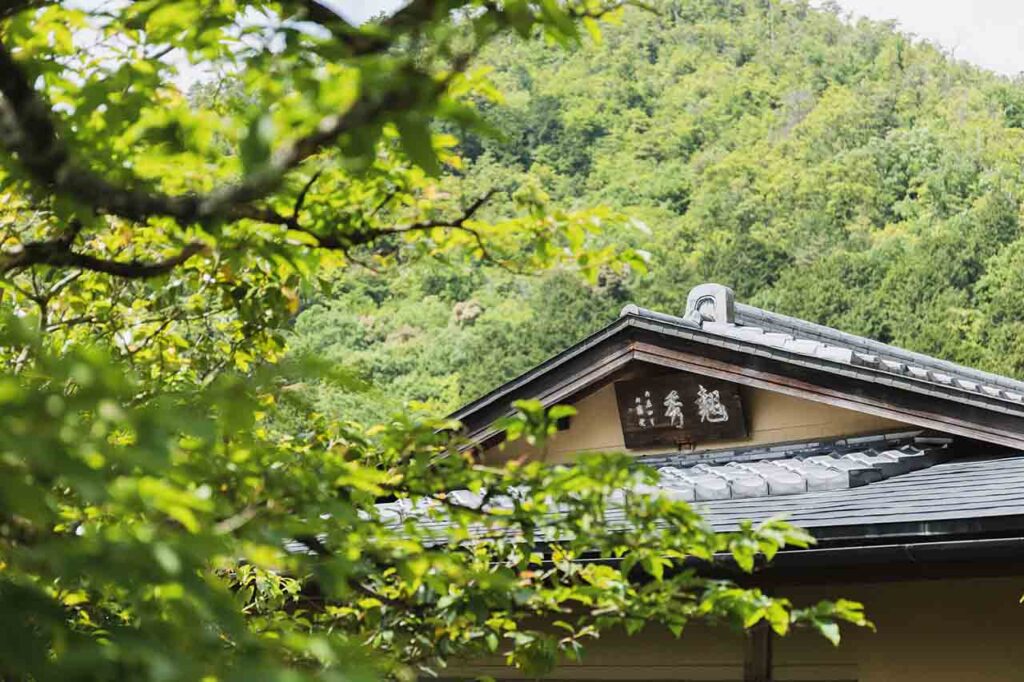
(673, 343)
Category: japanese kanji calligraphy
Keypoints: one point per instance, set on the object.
(678, 409)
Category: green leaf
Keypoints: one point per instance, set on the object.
(561, 412)
(256, 145)
(830, 631)
(418, 144)
(519, 16)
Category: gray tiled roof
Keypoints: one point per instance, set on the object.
(712, 318)
(786, 474)
(956, 490)
(751, 325)
(850, 489)
(850, 494)
(763, 483)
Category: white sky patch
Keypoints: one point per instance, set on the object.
(358, 11)
(989, 33)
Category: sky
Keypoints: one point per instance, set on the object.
(989, 33)
(361, 10)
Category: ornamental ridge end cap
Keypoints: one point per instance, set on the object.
(711, 302)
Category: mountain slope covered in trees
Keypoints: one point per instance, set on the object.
(835, 171)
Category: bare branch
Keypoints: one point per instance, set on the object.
(459, 222)
(383, 202)
(21, 291)
(301, 199)
(233, 523)
(134, 269)
(63, 283)
(361, 263)
(344, 242)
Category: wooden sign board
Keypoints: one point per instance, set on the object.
(679, 409)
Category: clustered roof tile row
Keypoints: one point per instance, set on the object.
(790, 475)
(850, 356)
(889, 358)
(780, 473)
(797, 476)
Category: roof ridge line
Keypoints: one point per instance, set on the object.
(870, 345)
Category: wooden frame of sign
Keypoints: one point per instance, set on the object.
(679, 409)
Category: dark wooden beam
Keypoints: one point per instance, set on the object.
(609, 353)
(757, 654)
(552, 390)
(840, 391)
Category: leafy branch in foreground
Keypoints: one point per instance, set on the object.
(374, 76)
(157, 521)
(230, 204)
(125, 527)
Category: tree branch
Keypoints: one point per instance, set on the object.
(344, 242)
(459, 222)
(301, 198)
(28, 130)
(58, 253)
(460, 225)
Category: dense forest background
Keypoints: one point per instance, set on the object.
(835, 171)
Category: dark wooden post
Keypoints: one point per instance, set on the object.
(757, 654)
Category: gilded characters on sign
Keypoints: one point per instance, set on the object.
(710, 407)
(674, 409)
(678, 408)
(644, 408)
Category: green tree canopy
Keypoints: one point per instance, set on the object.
(170, 507)
(831, 169)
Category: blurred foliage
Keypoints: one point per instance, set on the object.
(304, 148)
(175, 504)
(830, 169)
(184, 538)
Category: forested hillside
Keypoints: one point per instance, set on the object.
(834, 171)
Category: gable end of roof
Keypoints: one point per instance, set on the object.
(876, 377)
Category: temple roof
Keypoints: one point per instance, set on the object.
(954, 472)
(773, 331)
(871, 489)
(756, 347)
